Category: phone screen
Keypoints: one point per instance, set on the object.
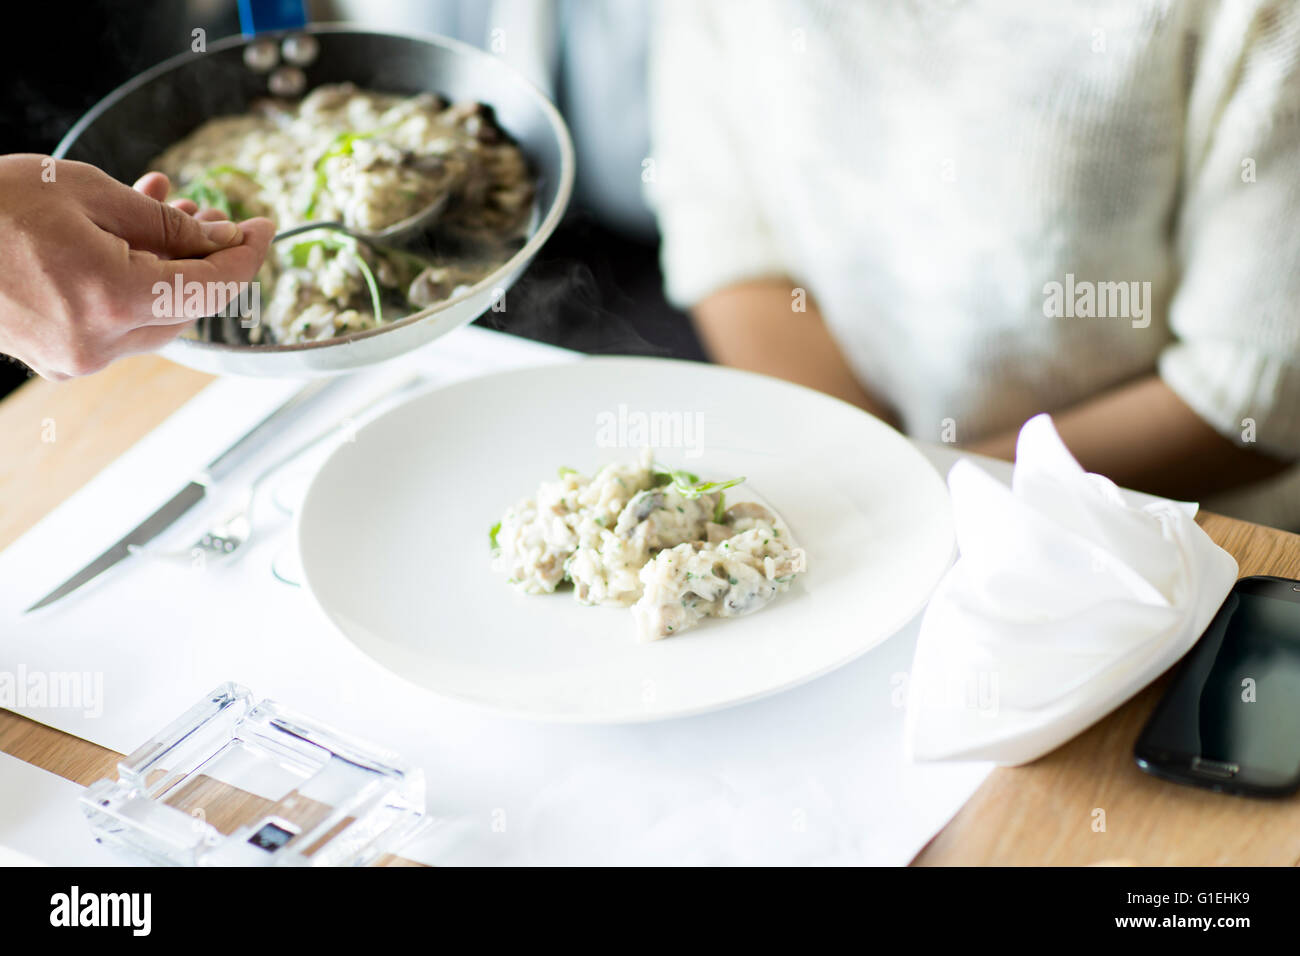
(1236, 700)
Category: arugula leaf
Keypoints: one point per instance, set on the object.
(688, 485)
(492, 536)
(666, 477)
(207, 196)
(225, 169)
(299, 252)
(204, 190)
(371, 284)
(341, 145)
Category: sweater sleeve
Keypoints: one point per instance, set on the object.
(700, 183)
(1235, 314)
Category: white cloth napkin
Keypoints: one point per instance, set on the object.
(1065, 602)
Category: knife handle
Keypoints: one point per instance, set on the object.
(258, 436)
(401, 385)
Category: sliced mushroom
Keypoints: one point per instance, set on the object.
(747, 509)
(717, 532)
(433, 284)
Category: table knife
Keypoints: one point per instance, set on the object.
(249, 444)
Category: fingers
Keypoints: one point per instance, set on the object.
(218, 275)
(147, 339)
(154, 185)
(149, 224)
(120, 243)
(157, 186)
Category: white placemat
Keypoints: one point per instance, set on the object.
(813, 775)
(41, 823)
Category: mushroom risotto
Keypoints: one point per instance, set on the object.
(369, 160)
(661, 542)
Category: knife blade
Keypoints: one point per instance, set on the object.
(146, 531)
(248, 444)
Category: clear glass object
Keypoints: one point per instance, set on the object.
(237, 783)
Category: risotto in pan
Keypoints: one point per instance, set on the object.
(369, 160)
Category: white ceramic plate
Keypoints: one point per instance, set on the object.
(393, 536)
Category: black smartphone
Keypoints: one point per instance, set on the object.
(1230, 720)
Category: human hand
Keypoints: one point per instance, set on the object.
(83, 252)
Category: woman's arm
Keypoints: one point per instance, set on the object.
(1142, 435)
(752, 325)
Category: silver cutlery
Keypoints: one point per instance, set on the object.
(230, 533)
(220, 467)
(399, 232)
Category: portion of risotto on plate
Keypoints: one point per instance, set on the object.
(662, 542)
(368, 160)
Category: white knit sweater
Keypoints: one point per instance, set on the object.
(927, 169)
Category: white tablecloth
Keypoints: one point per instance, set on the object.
(41, 823)
(813, 775)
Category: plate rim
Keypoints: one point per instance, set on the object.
(575, 719)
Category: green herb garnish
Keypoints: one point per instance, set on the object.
(207, 196)
(492, 536)
(688, 485)
(204, 190)
(299, 252)
(341, 145)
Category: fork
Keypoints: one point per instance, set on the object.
(228, 535)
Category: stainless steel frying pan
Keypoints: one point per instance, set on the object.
(139, 119)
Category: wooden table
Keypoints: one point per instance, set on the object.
(1044, 813)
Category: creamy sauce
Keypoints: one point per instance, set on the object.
(626, 538)
(368, 160)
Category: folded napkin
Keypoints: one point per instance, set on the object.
(1065, 602)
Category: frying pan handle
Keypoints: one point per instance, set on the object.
(264, 16)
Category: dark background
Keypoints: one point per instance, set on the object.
(590, 288)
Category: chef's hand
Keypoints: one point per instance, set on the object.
(82, 253)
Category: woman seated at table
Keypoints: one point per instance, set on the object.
(959, 215)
